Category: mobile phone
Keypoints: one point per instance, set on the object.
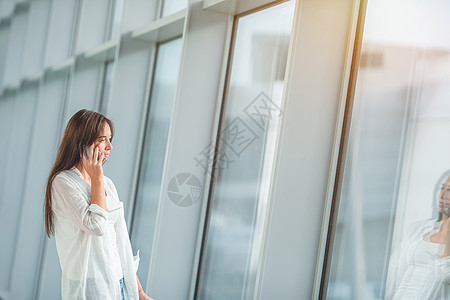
(99, 153)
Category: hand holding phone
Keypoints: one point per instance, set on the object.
(92, 161)
(87, 151)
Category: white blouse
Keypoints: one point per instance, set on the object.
(93, 245)
(113, 217)
(418, 270)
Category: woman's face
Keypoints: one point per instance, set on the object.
(444, 196)
(103, 142)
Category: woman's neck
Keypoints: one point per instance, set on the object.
(83, 172)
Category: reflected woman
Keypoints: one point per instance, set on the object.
(83, 211)
(420, 267)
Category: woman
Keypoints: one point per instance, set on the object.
(83, 211)
(420, 268)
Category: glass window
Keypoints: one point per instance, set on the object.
(28, 251)
(106, 86)
(152, 163)
(9, 111)
(6, 120)
(172, 6)
(94, 24)
(85, 87)
(31, 60)
(116, 18)
(244, 155)
(12, 71)
(4, 42)
(17, 145)
(388, 208)
(59, 39)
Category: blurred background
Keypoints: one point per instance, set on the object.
(263, 149)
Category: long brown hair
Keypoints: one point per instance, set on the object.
(82, 130)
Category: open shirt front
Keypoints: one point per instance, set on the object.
(83, 234)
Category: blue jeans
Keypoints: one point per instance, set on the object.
(121, 288)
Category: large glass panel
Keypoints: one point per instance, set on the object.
(9, 110)
(116, 18)
(85, 87)
(106, 86)
(18, 145)
(244, 155)
(160, 110)
(385, 241)
(4, 42)
(28, 276)
(12, 71)
(172, 6)
(31, 60)
(94, 24)
(6, 120)
(59, 39)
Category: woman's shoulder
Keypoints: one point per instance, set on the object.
(65, 184)
(423, 223)
(418, 228)
(63, 177)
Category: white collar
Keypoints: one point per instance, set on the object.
(75, 169)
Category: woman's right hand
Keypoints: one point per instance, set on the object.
(93, 163)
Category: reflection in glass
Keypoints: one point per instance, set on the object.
(244, 159)
(396, 145)
(420, 267)
(147, 199)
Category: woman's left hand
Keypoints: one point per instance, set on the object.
(143, 296)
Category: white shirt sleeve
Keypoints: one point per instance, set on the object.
(90, 218)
